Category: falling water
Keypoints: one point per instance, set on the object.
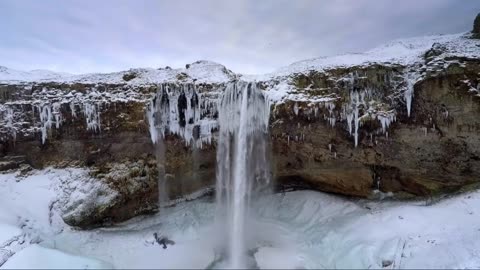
(243, 168)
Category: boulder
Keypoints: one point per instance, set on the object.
(111, 193)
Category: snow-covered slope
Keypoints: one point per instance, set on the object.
(402, 52)
(12, 75)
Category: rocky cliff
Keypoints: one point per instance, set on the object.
(399, 120)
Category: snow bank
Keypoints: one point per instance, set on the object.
(38, 257)
(27, 197)
(331, 232)
(8, 232)
(29, 214)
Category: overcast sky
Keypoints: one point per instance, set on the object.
(246, 36)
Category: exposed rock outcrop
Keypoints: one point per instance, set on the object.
(476, 26)
(111, 193)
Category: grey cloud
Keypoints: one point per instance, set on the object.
(246, 36)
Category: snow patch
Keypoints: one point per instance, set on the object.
(38, 257)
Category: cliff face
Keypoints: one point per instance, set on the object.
(399, 120)
(432, 151)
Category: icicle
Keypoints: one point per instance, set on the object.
(356, 102)
(9, 118)
(72, 109)
(92, 117)
(295, 108)
(180, 110)
(151, 123)
(45, 113)
(408, 94)
(445, 114)
(57, 114)
(386, 119)
(331, 118)
(332, 121)
(357, 122)
(349, 122)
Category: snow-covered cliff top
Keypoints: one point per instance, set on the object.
(199, 72)
(401, 52)
(12, 75)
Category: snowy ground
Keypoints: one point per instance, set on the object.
(302, 229)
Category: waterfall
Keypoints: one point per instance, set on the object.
(242, 163)
(243, 170)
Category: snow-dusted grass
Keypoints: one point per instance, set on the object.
(302, 229)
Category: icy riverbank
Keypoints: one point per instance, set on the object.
(302, 229)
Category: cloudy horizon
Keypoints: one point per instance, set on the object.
(249, 37)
